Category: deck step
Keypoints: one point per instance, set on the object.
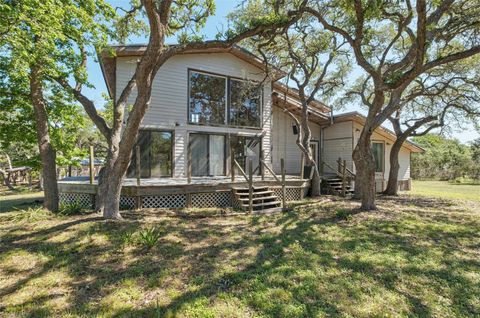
(260, 198)
(255, 193)
(263, 204)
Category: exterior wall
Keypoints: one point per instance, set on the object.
(338, 143)
(404, 159)
(284, 142)
(169, 104)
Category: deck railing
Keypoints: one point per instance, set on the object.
(342, 171)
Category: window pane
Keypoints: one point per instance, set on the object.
(244, 149)
(378, 153)
(199, 154)
(161, 154)
(245, 103)
(217, 155)
(207, 99)
(155, 155)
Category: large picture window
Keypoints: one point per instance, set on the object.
(207, 98)
(207, 155)
(155, 154)
(245, 99)
(212, 97)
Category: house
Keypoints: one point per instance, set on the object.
(214, 111)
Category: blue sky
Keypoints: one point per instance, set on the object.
(215, 23)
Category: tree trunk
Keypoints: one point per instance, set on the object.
(365, 171)
(392, 185)
(316, 180)
(47, 153)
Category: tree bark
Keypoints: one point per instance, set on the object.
(47, 153)
(392, 185)
(365, 171)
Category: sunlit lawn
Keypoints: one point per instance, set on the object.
(446, 190)
(413, 257)
(19, 198)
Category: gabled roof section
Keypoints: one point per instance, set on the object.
(108, 58)
(383, 131)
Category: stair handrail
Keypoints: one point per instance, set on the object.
(270, 170)
(240, 169)
(343, 163)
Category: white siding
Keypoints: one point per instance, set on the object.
(169, 103)
(284, 142)
(338, 143)
(404, 156)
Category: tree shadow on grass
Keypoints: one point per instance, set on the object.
(307, 262)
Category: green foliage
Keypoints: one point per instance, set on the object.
(149, 236)
(444, 159)
(72, 208)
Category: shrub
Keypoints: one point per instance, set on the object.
(71, 208)
(343, 214)
(148, 237)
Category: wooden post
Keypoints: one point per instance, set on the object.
(344, 167)
(91, 165)
(137, 161)
(232, 165)
(189, 200)
(302, 167)
(262, 162)
(339, 163)
(250, 186)
(189, 163)
(284, 190)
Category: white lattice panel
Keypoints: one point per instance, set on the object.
(83, 199)
(292, 194)
(164, 201)
(212, 199)
(127, 203)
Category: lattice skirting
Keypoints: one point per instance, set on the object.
(212, 199)
(127, 203)
(85, 200)
(293, 194)
(165, 201)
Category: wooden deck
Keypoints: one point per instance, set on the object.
(161, 186)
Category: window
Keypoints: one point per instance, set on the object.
(207, 98)
(244, 149)
(378, 153)
(207, 155)
(155, 154)
(245, 99)
(209, 104)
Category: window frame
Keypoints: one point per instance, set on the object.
(172, 152)
(228, 79)
(381, 142)
(225, 152)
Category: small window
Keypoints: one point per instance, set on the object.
(207, 99)
(379, 154)
(245, 101)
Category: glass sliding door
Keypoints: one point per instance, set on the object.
(244, 149)
(155, 154)
(207, 153)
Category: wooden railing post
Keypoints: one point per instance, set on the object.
(344, 177)
(302, 167)
(284, 190)
(189, 163)
(250, 186)
(232, 165)
(262, 168)
(91, 165)
(339, 162)
(137, 164)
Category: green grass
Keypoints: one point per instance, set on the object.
(446, 190)
(413, 257)
(20, 198)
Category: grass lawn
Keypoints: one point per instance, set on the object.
(446, 190)
(413, 257)
(20, 198)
